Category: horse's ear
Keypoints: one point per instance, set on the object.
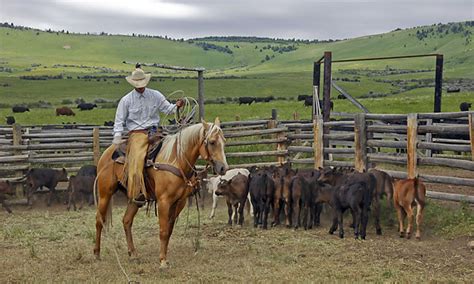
(204, 123)
(217, 122)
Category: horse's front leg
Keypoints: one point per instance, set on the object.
(128, 217)
(168, 211)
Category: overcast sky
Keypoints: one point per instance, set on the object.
(305, 19)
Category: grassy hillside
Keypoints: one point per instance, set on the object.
(282, 69)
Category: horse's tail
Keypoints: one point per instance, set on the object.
(94, 192)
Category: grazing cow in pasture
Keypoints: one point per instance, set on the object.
(10, 120)
(80, 185)
(109, 123)
(384, 187)
(86, 106)
(453, 89)
(408, 193)
(264, 99)
(262, 191)
(235, 191)
(64, 111)
(214, 181)
(246, 100)
(20, 109)
(282, 177)
(465, 106)
(35, 178)
(5, 189)
(303, 97)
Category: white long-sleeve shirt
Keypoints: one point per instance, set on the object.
(141, 111)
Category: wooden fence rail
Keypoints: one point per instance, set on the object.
(358, 140)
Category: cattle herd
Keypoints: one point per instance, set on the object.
(296, 197)
(80, 185)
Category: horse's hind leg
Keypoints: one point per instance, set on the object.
(130, 213)
(105, 192)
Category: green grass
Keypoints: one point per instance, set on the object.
(286, 75)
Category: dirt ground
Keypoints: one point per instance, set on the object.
(53, 245)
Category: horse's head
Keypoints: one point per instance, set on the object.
(212, 147)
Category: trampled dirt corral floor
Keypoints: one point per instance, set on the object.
(53, 245)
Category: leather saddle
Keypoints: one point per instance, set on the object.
(155, 142)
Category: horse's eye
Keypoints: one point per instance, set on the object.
(212, 143)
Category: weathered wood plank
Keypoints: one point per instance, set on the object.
(412, 127)
(360, 143)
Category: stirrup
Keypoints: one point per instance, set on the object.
(139, 200)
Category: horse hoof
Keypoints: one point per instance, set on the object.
(133, 255)
(379, 232)
(418, 238)
(408, 236)
(402, 234)
(164, 264)
(341, 236)
(97, 254)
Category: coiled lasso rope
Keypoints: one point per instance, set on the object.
(185, 115)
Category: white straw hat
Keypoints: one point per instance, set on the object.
(138, 79)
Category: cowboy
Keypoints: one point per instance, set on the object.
(139, 110)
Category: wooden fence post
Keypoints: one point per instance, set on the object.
(96, 145)
(16, 142)
(318, 143)
(360, 141)
(201, 94)
(273, 123)
(429, 138)
(412, 129)
(471, 133)
(296, 115)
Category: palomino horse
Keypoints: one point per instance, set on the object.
(171, 189)
(406, 194)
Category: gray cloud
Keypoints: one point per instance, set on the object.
(189, 18)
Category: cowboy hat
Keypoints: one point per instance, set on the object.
(138, 79)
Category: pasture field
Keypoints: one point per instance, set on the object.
(414, 102)
(388, 86)
(53, 245)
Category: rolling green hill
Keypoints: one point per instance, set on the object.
(248, 67)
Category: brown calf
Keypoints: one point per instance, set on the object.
(235, 192)
(408, 193)
(384, 187)
(64, 111)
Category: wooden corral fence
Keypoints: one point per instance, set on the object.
(362, 140)
(25, 147)
(359, 140)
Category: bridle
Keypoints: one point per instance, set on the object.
(205, 142)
